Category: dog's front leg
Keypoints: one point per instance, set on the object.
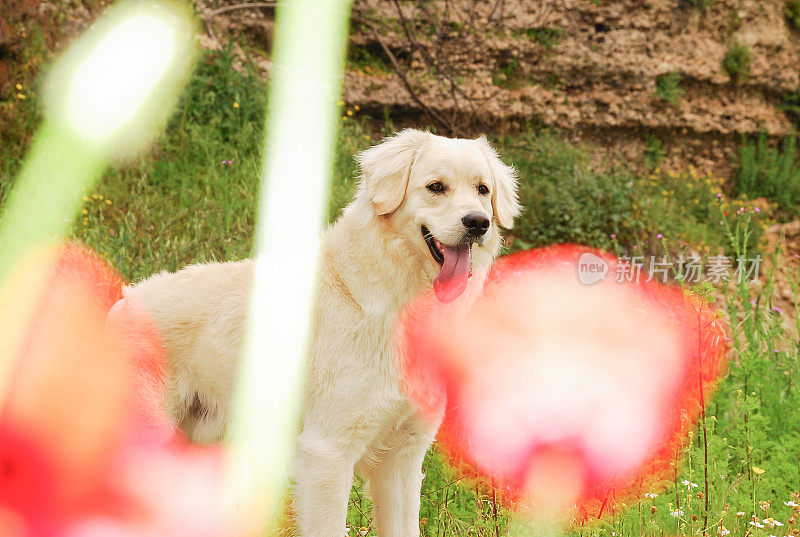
(396, 482)
(323, 476)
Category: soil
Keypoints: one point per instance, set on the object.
(586, 67)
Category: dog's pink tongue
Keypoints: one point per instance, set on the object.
(452, 278)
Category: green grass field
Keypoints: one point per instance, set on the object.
(193, 197)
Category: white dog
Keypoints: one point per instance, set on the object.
(428, 211)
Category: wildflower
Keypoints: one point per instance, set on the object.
(350, 113)
(769, 522)
(357, 108)
(791, 503)
(363, 531)
(85, 221)
(236, 105)
(757, 209)
(613, 235)
(777, 523)
(21, 96)
(109, 202)
(650, 495)
(740, 514)
(719, 195)
(757, 524)
(659, 236)
(18, 86)
(776, 309)
(724, 531)
(84, 212)
(86, 198)
(676, 513)
(340, 103)
(764, 505)
(366, 137)
(346, 530)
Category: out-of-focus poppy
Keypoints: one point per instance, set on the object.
(84, 447)
(569, 393)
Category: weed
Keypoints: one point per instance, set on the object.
(668, 87)
(737, 61)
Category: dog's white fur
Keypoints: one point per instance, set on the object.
(373, 261)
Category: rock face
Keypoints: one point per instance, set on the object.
(589, 67)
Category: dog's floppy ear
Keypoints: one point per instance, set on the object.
(385, 168)
(505, 203)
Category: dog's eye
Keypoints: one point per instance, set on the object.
(437, 187)
(483, 189)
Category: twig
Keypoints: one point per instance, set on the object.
(399, 70)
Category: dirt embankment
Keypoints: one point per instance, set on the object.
(585, 66)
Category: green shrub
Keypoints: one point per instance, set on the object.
(791, 8)
(770, 172)
(737, 61)
(547, 37)
(654, 153)
(668, 87)
(567, 200)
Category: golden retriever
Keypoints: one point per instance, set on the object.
(428, 212)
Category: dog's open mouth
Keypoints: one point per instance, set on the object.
(456, 263)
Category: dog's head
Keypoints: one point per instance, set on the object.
(448, 196)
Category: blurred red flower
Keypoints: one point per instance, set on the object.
(571, 393)
(84, 447)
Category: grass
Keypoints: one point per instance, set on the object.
(181, 204)
(770, 172)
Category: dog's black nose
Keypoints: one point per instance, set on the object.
(476, 223)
